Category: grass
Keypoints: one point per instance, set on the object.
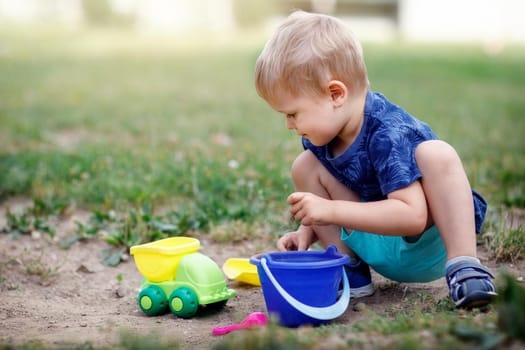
(159, 136)
(107, 120)
(184, 126)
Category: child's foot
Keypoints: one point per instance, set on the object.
(470, 284)
(359, 279)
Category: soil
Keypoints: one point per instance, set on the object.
(60, 297)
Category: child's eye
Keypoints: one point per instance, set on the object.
(290, 116)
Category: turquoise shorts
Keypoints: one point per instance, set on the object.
(397, 259)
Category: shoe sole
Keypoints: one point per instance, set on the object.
(364, 291)
(476, 300)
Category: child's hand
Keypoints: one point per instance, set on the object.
(308, 209)
(296, 240)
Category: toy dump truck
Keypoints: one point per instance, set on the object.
(178, 277)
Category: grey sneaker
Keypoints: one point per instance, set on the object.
(470, 284)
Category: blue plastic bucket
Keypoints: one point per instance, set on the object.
(301, 288)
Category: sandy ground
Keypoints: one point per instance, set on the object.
(73, 299)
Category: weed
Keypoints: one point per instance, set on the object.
(480, 338)
(271, 337)
(511, 307)
(36, 266)
(95, 226)
(509, 245)
(135, 226)
(29, 345)
(236, 231)
(505, 238)
(420, 317)
(112, 256)
(131, 341)
(128, 341)
(512, 187)
(35, 218)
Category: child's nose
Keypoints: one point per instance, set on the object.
(290, 124)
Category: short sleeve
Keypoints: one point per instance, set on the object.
(392, 153)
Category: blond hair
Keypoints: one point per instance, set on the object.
(305, 53)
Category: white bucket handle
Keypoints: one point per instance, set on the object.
(320, 313)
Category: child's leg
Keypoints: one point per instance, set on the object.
(449, 197)
(309, 175)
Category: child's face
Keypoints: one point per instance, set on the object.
(313, 117)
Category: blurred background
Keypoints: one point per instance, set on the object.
(492, 23)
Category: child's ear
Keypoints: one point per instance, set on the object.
(338, 92)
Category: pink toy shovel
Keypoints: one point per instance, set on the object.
(253, 320)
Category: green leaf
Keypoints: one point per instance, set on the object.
(111, 256)
(164, 227)
(68, 241)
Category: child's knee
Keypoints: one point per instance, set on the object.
(436, 153)
(304, 164)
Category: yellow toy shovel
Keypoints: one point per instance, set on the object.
(241, 270)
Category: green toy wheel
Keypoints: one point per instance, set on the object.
(153, 301)
(184, 302)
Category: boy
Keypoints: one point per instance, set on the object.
(373, 180)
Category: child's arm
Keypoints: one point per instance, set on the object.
(404, 212)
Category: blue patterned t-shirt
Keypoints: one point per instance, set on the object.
(382, 158)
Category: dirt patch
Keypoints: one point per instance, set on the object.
(68, 297)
